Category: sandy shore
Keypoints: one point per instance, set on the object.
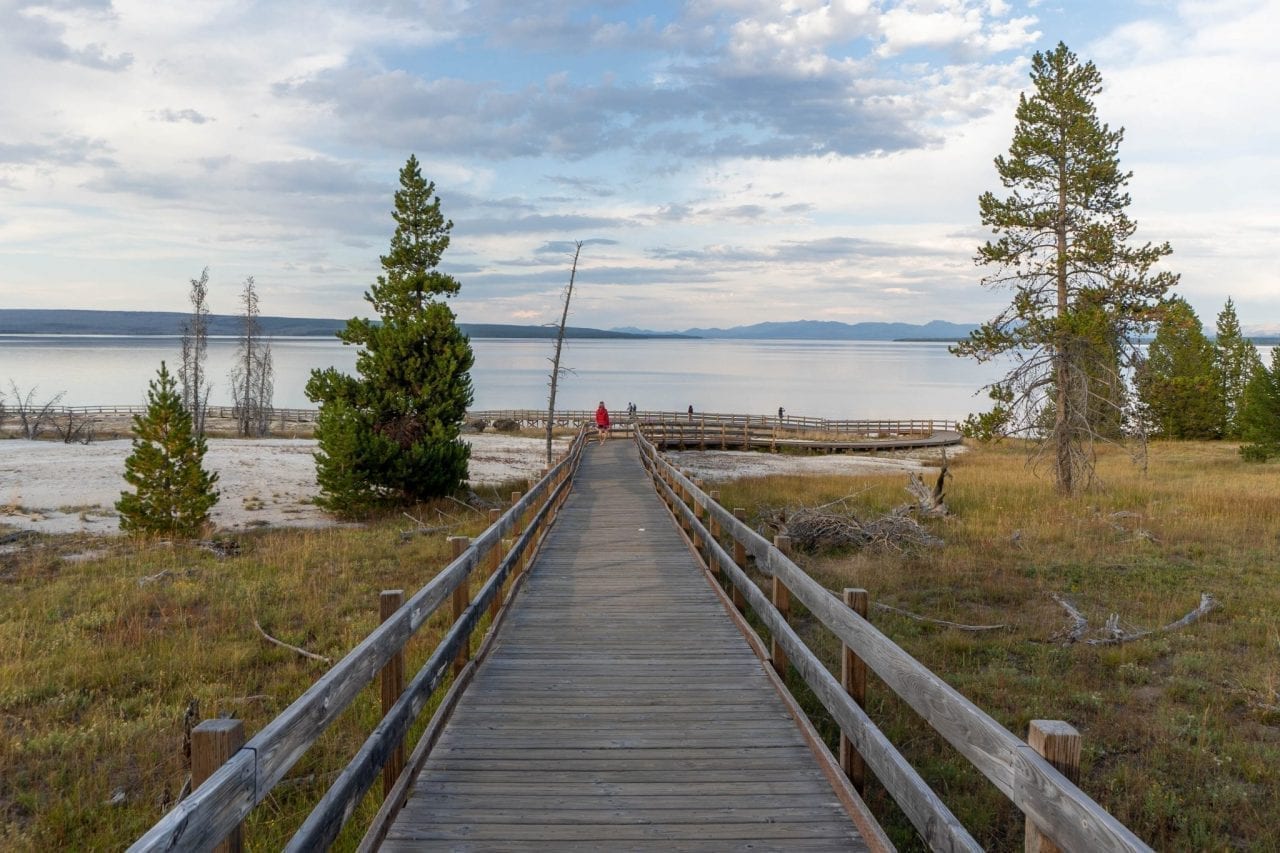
(70, 488)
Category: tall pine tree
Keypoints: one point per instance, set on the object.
(1237, 361)
(1080, 291)
(172, 492)
(393, 433)
(1178, 382)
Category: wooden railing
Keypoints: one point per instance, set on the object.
(715, 420)
(698, 436)
(1055, 807)
(216, 808)
(301, 416)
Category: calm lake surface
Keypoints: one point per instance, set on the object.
(844, 379)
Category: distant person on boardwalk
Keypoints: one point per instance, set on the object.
(602, 422)
(691, 412)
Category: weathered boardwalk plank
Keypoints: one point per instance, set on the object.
(620, 707)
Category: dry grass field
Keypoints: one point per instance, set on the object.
(105, 651)
(1181, 729)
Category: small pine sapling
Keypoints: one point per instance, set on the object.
(173, 493)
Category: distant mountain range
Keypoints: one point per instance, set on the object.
(53, 321)
(829, 330)
(42, 321)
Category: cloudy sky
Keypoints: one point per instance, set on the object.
(723, 161)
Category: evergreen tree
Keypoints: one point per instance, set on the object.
(1178, 382)
(1080, 292)
(1259, 415)
(172, 492)
(1237, 361)
(393, 434)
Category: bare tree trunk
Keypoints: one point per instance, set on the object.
(246, 379)
(250, 300)
(265, 391)
(555, 362)
(1063, 416)
(195, 345)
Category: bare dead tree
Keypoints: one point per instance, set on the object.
(555, 361)
(33, 417)
(266, 390)
(251, 376)
(196, 387)
(78, 429)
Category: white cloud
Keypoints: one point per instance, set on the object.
(968, 28)
(739, 158)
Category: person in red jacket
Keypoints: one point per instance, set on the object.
(602, 422)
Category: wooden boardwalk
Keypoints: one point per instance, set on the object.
(620, 707)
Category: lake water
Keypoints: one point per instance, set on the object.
(840, 379)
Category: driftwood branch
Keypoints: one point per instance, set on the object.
(891, 609)
(423, 529)
(282, 644)
(929, 502)
(1113, 633)
(1078, 623)
(468, 507)
(165, 573)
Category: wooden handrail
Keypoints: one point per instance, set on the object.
(1060, 808)
(697, 436)
(213, 810)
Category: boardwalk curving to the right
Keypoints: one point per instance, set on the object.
(620, 707)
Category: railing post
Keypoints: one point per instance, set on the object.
(740, 558)
(714, 524)
(699, 544)
(391, 683)
(782, 603)
(1059, 744)
(683, 494)
(853, 678)
(213, 742)
(519, 529)
(495, 557)
(461, 598)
